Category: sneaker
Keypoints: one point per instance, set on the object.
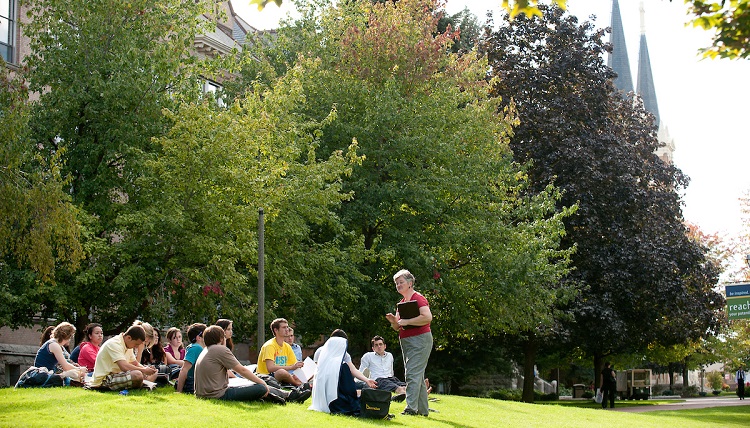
(399, 397)
(275, 399)
(409, 412)
(299, 395)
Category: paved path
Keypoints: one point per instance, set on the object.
(689, 403)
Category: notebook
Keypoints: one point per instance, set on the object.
(408, 310)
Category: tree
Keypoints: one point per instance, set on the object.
(633, 258)
(437, 191)
(39, 232)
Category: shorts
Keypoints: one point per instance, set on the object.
(389, 383)
(117, 381)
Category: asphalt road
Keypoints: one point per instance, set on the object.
(689, 403)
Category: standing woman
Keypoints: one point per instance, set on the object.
(416, 343)
(87, 350)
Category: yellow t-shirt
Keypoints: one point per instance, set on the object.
(281, 355)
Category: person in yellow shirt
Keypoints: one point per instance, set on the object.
(276, 357)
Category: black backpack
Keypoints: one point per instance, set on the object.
(375, 403)
(39, 377)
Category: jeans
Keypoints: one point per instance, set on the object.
(244, 393)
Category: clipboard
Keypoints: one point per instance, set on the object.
(408, 310)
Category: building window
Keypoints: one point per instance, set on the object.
(7, 29)
(212, 88)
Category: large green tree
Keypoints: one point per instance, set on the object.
(438, 191)
(644, 280)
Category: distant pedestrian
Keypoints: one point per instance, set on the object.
(609, 385)
(740, 378)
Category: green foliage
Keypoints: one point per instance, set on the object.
(38, 226)
(715, 379)
(731, 22)
(438, 191)
(505, 394)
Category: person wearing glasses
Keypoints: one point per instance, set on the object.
(380, 364)
(186, 379)
(289, 338)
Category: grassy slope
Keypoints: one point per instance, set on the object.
(61, 407)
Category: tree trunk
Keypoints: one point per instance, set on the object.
(598, 367)
(670, 369)
(685, 377)
(530, 347)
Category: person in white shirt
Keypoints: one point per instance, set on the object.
(741, 379)
(380, 364)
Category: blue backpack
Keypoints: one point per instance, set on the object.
(39, 377)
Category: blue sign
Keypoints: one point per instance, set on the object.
(738, 301)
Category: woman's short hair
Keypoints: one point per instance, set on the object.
(64, 330)
(213, 335)
(405, 273)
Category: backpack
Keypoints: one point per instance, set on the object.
(39, 377)
(375, 403)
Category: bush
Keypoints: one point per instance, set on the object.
(564, 391)
(506, 394)
(549, 397)
(667, 392)
(715, 380)
(690, 391)
(587, 394)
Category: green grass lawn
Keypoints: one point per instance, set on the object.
(62, 407)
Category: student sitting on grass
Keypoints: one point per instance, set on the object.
(53, 356)
(116, 367)
(87, 350)
(212, 379)
(186, 379)
(174, 349)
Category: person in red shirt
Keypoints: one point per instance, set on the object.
(416, 343)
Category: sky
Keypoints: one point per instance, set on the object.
(703, 102)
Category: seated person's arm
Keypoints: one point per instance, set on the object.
(358, 375)
(126, 367)
(183, 375)
(56, 350)
(272, 367)
(248, 374)
(172, 360)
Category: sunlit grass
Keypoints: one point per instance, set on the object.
(62, 407)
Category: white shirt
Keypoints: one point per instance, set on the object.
(380, 366)
(740, 375)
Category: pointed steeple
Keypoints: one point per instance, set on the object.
(618, 58)
(645, 86)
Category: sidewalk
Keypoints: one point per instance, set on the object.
(689, 403)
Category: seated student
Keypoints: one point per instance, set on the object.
(87, 350)
(116, 367)
(277, 358)
(289, 338)
(174, 349)
(186, 379)
(153, 353)
(212, 375)
(143, 351)
(334, 390)
(53, 356)
(380, 364)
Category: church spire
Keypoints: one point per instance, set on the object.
(645, 86)
(618, 58)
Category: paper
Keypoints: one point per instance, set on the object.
(307, 371)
